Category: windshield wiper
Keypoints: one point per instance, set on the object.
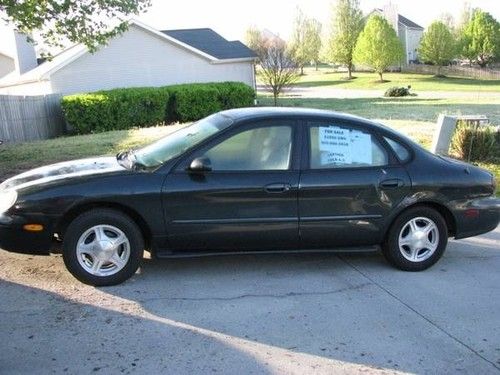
(123, 158)
(127, 159)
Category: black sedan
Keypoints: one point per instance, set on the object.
(249, 180)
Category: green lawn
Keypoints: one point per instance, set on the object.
(418, 82)
(21, 157)
(407, 109)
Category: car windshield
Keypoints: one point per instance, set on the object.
(178, 142)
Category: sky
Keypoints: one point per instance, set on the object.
(232, 17)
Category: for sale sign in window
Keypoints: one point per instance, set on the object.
(341, 146)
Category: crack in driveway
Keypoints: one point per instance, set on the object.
(242, 296)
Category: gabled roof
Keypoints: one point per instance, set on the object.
(210, 42)
(401, 19)
(408, 23)
(6, 54)
(44, 70)
(225, 52)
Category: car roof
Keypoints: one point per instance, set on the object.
(257, 113)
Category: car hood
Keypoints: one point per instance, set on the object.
(62, 171)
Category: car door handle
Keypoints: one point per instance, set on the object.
(277, 188)
(392, 183)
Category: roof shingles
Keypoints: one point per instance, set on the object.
(408, 23)
(208, 41)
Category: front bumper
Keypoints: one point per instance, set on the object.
(477, 217)
(18, 240)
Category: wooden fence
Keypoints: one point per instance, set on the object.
(29, 118)
(458, 71)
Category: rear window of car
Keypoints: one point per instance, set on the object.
(401, 151)
(338, 146)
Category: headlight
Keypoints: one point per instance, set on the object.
(7, 200)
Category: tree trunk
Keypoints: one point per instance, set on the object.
(481, 62)
(380, 75)
(349, 70)
(316, 65)
(302, 70)
(275, 95)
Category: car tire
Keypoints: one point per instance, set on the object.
(416, 239)
(102, 247)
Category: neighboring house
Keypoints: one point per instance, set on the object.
(7, 64)
(141, 56)
(409, 32)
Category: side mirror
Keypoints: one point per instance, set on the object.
(200, 165)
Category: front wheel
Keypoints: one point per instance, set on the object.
(102, 247)
(416, 240)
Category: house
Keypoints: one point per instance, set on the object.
(7, 64)
(409, 32)
(141, 56)
(17, 56)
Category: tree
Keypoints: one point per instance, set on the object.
(462, 41)
(448, 20)
(346, 25)
(314, 37)
(437, 45)
(481, 38)
(378, 45)
(464, 17)
(78, 21)
(278, 70)
(255, 41)
(305, 43)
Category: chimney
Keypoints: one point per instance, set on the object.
(24, 53)
(391, 15)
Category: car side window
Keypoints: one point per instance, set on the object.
(264, 148)
(400, 150)
(335, 146)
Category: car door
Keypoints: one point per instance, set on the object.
(248, 201)
(348, 186)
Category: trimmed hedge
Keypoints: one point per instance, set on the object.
(148, 106)
(115, 109)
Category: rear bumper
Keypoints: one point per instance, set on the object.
(15, 239)
(477, 217)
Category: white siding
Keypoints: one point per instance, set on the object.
(402, 38)
(413, 37)
(6, 65)
(25, 58)
(32, 88)
(410, 39)
(139, 58)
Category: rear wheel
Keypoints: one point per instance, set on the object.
(102, 247)
(417, 239)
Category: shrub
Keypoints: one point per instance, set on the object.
(192, 102)
(235, 95)
(397, 91)
(86, 113)
(147, 106)
(115, 109)
(474, 142)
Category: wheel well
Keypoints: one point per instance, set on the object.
(443, 211)
(69, 216)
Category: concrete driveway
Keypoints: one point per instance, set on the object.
(293, 314)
